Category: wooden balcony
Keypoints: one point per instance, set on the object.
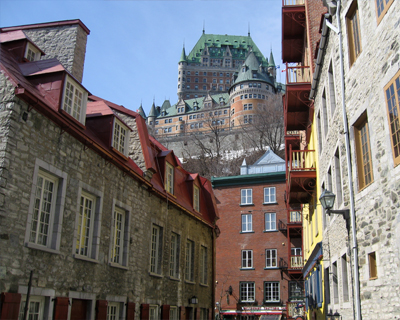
(296, 262)
(301, 176)
(293, 25)
(296, 101)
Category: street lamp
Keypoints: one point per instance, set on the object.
(335, 316)
(327, 200)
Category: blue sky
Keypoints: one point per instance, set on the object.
(134, 47)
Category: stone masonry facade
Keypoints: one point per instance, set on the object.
(376, 202)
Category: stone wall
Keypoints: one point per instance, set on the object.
(377, 204)
(24, 145)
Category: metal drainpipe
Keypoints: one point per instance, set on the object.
(350, 173)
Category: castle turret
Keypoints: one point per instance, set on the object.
(181, 72)
(271, 65)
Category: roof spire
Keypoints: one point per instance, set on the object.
(204, 26)
(249, 30)
(271, 59)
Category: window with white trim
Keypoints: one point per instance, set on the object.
(120, 137)
(74, 100)
(247, 291)
(32, 53)
(35, 309)
(203, 265)
(46, 208)
(156, 249)
(270, 258)
(173, 313)
(189, 263)
(204, 314)
(270, 195)
(271, 291)
(88, 221)
(169, 178)
(247, 222)
(153, 312)
(247, 259)
(246, 196)
(196, 198)
(270, 221)
(113, 310)
(174, 255)
(118, 237)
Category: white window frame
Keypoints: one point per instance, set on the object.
(271, 259)
(47, 171)
(153, 312)
(85, 224)
(271, 291)
(35, 51)
(247, 291)
(77, 111)
(38, 300)
(203, 265)
(169, 178)
(270, 221)
(174, 256)
(247, 259)
(173, 313)
(189, 261)
(121, 231)
(270, 197)
(156, 249)
(246, 196)
(113, 310)
(196, 198)
(120, 139)
(247, 222)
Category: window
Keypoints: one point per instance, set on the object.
(247, 292)
(247, 259)
(382, 6)
(173, 313)
(120, 137)
(35, 309)
(88, 226)
(189, 263)
(119, 237)
(169, 178)
(156, 249)
(363, 151)
(270, 221)
(74, 100)
(246, 196)
(335, 283)
(174, 256)
(32, 53)
(203, 265)
(153, 311)
(271, 291)
(247, 222)
(327, 286)
(46, 207)
(204, 314)
(196, 198)
(270, 258)
(345, 280)
(338, 179)
(332, 96)
(270, 195)
(353, 32)
(113, 310)
(392, 93)
(373, 271)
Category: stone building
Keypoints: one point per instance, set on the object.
(259, 252)
(210, 80)
(356, 98)
(98, 219)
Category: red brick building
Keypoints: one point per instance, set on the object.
(254, 258)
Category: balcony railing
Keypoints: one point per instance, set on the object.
(296, 262)
(301, 160)
(295, 216)
(298, 75)
(292, 2)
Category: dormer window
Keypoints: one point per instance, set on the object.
(169, 178)
(32, 53)
(163, 113)
(75, 100)
(196, 198)
(120, 137)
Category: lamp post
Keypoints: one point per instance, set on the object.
(327, 200)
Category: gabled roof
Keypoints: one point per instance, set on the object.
(217, 45)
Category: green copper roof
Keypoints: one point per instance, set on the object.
(248, 179)
(153, 112)
(271, 60)
(190, 105)
(183, 55)
(217, 45)
(251, 71)
(141, 112)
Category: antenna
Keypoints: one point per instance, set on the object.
(249, 29)
(204, 26)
